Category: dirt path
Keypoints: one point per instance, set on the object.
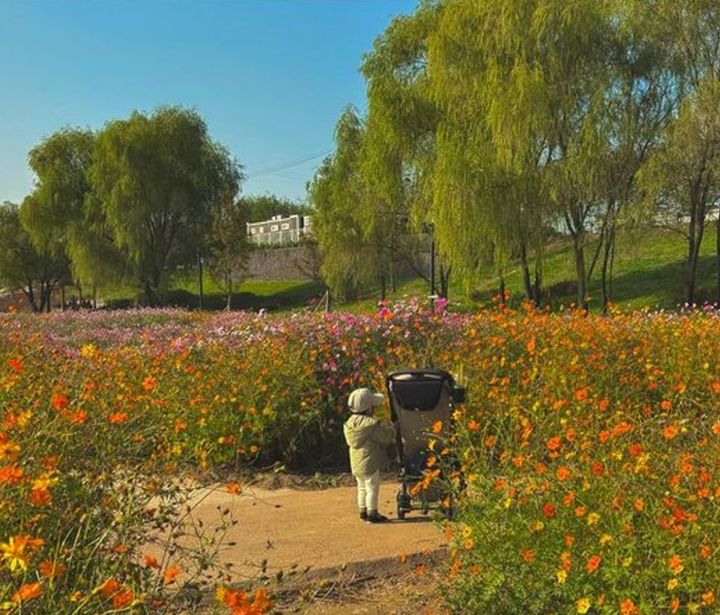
(329, 561)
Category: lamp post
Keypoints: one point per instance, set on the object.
(200, 280)
(429, 229)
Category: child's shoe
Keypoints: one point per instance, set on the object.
(363, 515)
(375, 517)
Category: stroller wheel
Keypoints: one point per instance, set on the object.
(402, 503)
(449, 510)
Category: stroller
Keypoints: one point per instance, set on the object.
(419, 398)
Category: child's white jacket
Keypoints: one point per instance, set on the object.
(368, 439)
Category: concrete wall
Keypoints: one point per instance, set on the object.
(292, 263)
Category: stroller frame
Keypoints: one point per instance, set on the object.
(418, 399)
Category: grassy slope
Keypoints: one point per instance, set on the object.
(648, 273)
(252, 294)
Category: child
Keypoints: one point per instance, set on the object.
(368, 440)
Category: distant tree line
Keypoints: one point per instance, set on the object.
(129, 204)
(501, 123)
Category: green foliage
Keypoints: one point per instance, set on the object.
(155, 183)
(229, 246)
(53, 213)
(349, 256)
(34, 270)
(263, 207)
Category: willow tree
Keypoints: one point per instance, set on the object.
(487, 197)
(155, 181)
(629, 119)
(351, 258)
(399, 144)
(25, 265)
(53, 213)
(681, 179)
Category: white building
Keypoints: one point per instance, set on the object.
(280, 230)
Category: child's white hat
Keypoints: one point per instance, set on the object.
(363, 399)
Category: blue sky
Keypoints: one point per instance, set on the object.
(269, 76)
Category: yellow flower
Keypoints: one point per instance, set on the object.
(593, 518)
(88, 350)
(14, 551)
(672, 584)
(561, 576)
(582, 605)
(44, 481)
(605, 539)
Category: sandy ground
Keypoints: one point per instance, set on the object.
(310, 530)
(318, 554)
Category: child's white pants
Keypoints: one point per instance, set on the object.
(368, 491)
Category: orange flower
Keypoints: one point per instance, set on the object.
(122, 598)
(171, 574)
(473, 425)
(598, 468)
(10, 475)
(77, 418)
(705, 552)
(40, 497)
(528, 556)
(562, 473)
(51, 570)
(716, 428)
(554, 443)
(16, 365)
(148, 383)
(261, 604)
(437, 427)
(628, 607)
(671, 431)
(676, 564)
(234, 488)
(27, 591)
(151, 561)
(675, 605)
(118, 417)
(581, 394)
(108, 588)
(593, 563)
(549, 510)
(708, 597)
(59, 401)
(666, 404)
(636, 449)
(639, 504)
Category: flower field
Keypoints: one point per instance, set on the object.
(590, 447)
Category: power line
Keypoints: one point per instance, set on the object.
(286, 165)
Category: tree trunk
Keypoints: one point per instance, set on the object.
(445, 280)
(229, 286)
(697, 224)
(609, 250)
(501, 289)
(579, 250)
(717, 258)
(527, 284)
(537, 284)
(383, 287)
(30, 295)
